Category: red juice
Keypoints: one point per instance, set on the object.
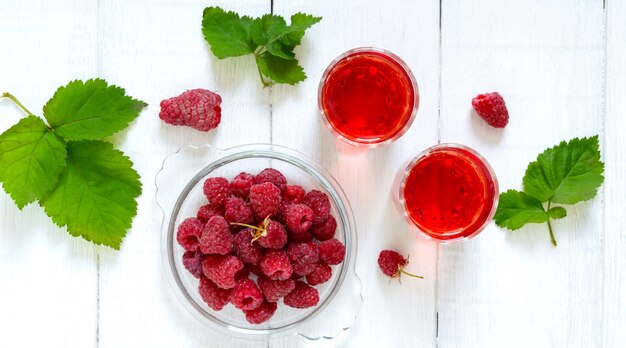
(368, 96)
(450, 192)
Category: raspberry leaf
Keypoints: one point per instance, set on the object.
(272, 32)
(227, 33)
(568, 173)
(32, 159)
(557, 213)
(95, 197)
(90, 110)
(280, 70)
(516, 209)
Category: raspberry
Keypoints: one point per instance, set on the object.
(216, 190)
(246, 295)
(332, 251)
(319, 202)
(275, 264)
(215, 297)
(321, 274)
(491, 108)
(273, 290)
(325, 230)
(298, 217)
(265, 199)
(303, 296)
(392, 264)
(196, 108)
(303, 256)
(208, 211)
(192, 260)
(222, 269)
(241, 184)
(261, 314)
(293, 194)
(188, 234)
(216, 237)
(272, 175)
(247, 251)
(272, 235)
(237, 210)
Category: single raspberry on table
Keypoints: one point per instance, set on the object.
(221, 269)
(265, 199)
(325, 230)
(189, 233)
(293, 194)
(240, 186)
(274, 290)
(272, 175)
(320, 203)
(216, 237)
(321, 274)
(192, 260)
(196, 108)
(491, 108)
(208, 211)
(216, 190)
(303, 257)
(275, 264)
(332, 251)
(392, 264)
(262, 314)
(246, 295)
(213, 295)
(237, 210)
(298, 218)
(247, 251)
(302, 296)
(271, 235)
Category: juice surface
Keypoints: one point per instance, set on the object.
(449, 194)
(368, 97)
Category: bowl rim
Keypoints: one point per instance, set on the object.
(217, 158)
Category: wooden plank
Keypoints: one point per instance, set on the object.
(546, 58)
(157, 51)
(400, 316)
(614, 311)
(48, 278)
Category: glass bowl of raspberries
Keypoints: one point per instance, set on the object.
(258, 241)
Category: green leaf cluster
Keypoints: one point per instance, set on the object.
(568, 173)
(268, 38)
(81, 181)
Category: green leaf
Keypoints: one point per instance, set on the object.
(227, 33)
(95, 197)
(90, 110)
(557, 213)
(272, 32)
(32, 159)
(280, 70)
(515, 209)
(567, 173)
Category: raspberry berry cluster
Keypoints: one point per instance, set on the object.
(259, 240)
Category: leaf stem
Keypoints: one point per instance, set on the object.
(552, 239)
(411, 274)
(17, 102)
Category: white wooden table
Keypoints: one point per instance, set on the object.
(560, 65)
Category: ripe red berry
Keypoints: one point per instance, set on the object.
(261, 314)
(265, 199)
(319, 202)
(272, 235)
(216, 237)
(332, 251)
(188, 234)
(274, 290)
(247, 251)
(208, 211)
(302, 296)
(491, 108)
(303, 256)
(392, 264)
(197, 108)
(237, 210)
(298, 218)
(240, 186)
(214, 296)
(325, 230)
(272, 175)
(216, 190)
(246, 295)
(192, 260)
(321, 274)
(222, 269)
(275, 264)
(293, 194)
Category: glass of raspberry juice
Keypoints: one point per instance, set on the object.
(368, 96)
(449, 192)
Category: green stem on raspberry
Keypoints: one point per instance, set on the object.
(552, 239)
(411, 274)
(247, 225)
(17, 102)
